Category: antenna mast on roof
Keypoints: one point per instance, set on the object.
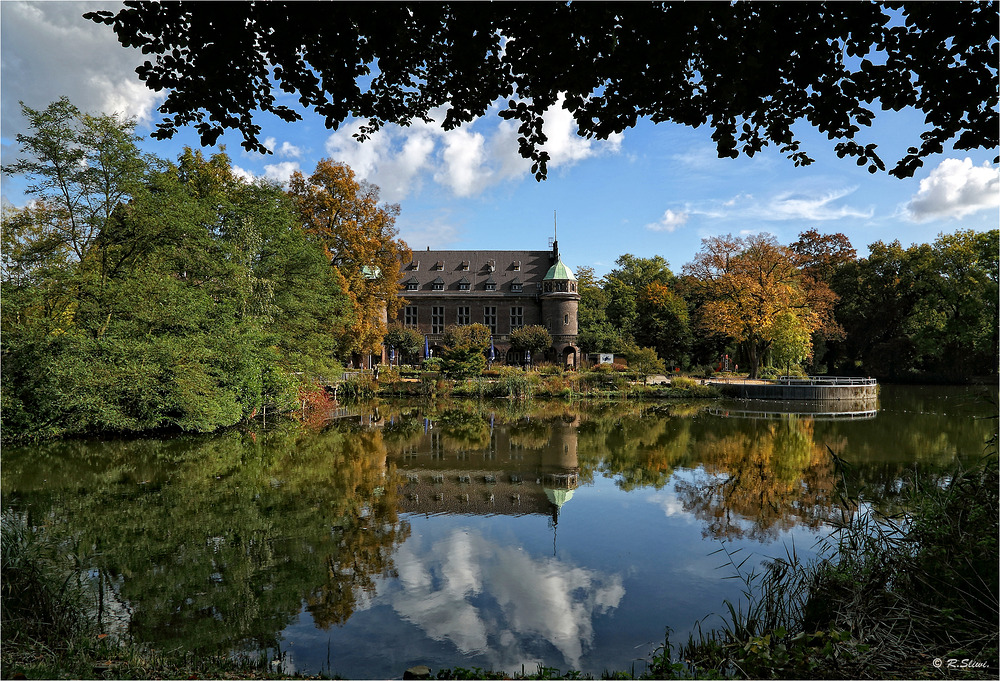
(554, 241)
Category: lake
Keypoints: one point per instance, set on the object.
(492, 535)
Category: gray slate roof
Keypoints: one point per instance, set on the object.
(533, 265)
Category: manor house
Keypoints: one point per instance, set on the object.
(504, 290)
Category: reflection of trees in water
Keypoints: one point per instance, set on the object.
(640, 448)
(222, 546)
(464, 430)
(761, 480)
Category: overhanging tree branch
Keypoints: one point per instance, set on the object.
(748, 70)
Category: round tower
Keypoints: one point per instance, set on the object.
(560, 300)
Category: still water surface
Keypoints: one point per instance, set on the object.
(468, 534)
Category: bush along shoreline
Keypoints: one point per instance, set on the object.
(516, 383)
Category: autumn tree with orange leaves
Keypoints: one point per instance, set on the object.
(360, 237)
(753, 291)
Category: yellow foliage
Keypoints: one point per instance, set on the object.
(359, 236)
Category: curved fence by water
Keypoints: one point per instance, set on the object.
(793, 388)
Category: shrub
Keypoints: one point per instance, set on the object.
(683, 382)
(514, 383)
(359, 387)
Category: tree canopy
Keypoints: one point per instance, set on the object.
(749, 71)
(141, 294)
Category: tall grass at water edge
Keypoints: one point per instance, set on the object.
(905, 594)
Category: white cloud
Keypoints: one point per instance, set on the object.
(244, 174)
(466, 161)
(669, 222)
(811, 205)
(288, 150)
(955, 189)
(801, 206)
(565, 147)
(280, 172)
(499, 601)
(274, 172)
(671, 505)
(48, 50)
(391, 158)
(464, 169)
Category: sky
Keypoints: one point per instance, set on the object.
(652, 190)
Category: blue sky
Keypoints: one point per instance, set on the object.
(654, 190)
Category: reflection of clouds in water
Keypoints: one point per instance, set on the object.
(518, 598)
(668, 501)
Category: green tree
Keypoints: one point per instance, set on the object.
(476, 336)
(407, 342)
(532, 338)
(819, 257)
(596, 333)
(465, 347)
(607, 64)
(927, 308)
(644, 362)
(878, 297)
(191, 302)
(623, 284)
(663, 323)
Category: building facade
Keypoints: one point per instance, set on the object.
(503, 290)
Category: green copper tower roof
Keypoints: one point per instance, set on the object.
(559, 271)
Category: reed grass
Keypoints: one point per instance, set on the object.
(886, 597)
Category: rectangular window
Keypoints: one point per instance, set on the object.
(516, 318)
(464, 316)
(490, 318)
(437, 319)
(410, 316)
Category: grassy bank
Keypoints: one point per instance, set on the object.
(516, 383)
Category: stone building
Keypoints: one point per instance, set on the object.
(502, 289)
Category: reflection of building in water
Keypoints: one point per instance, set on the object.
(507, 477)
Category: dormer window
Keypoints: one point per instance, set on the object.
(516, 265)
(491, 285)
(412, 284)
(491, 265)
(415, 266)
(464, 266)
(515, 286)
(463, 284)
(439, 265)
(438, 284)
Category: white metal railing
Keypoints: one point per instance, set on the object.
(825, 380)
(795, 380)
